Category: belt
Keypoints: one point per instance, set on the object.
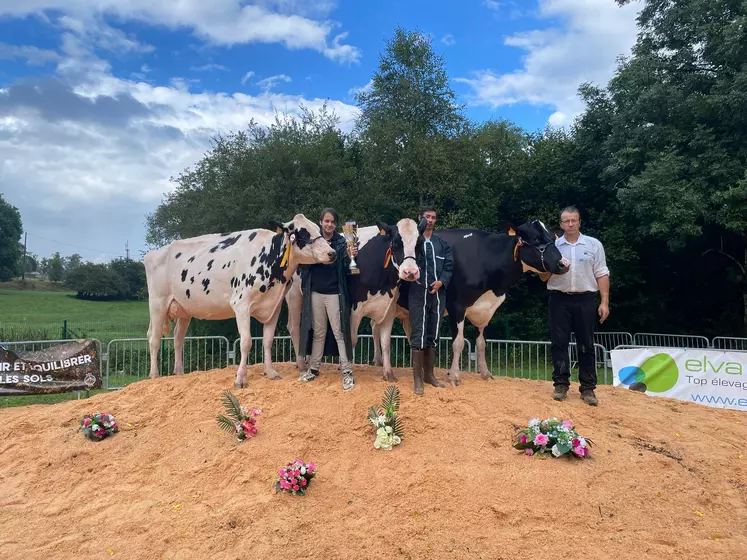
(572, 293)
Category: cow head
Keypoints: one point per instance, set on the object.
(307, 246)
(404, 239)
(536, 249)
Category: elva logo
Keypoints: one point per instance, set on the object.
(658, 374)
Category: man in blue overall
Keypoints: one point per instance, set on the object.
(427, 301)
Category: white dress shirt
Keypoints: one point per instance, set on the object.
(588, 263)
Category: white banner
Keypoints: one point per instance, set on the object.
(710, 377)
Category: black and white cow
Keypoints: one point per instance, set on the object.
(242, 274)
(386, 257)
(486, 266)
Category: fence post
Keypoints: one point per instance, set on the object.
(64, 329)
(163, 355)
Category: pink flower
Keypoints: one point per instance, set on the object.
(87, 422)
(297, 473)
(575, 442)
(580, 451)
(567, 424)
(296, 487)
(303, 482)
(523, 438)
(529, 452)
(310, 467)
(541, 439)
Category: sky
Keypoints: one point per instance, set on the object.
(102, 102)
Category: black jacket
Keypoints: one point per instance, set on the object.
(306, 340)
(444, 262)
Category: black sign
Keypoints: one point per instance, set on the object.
(69, 366)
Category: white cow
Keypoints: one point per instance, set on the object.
(386, 256)
(242, 274)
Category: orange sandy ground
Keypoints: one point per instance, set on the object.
(665, 479)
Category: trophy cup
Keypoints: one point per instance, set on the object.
(350, 232)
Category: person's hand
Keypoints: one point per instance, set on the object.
(352, 251)
(604, 312)
(436, 286)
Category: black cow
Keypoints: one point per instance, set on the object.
(486, 266)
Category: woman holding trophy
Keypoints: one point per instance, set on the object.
(326, 303)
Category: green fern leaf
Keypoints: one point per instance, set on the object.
(226, 424)
(373, 412)
(390, 402)
(231, 404)
(397, 426)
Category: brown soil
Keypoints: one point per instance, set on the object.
(665, 478)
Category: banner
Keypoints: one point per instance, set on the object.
(710, 377)
(68, 366)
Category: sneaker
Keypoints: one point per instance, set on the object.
(589, 397)
(347, 381)
(308, 376)
(560, 393)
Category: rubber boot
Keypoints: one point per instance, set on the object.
(429, 362)
(417, 370)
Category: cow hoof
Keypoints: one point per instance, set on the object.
(486, 376)
(240, 384)
(390, 377)
(453, 379)
(272, 375)
(378, 362)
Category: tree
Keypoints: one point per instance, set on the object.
(409, 127)
(71, 263)
(11, 249)
(56, 268)
(679, 135)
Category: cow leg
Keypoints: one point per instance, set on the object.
(456, 347)
(355, 321)
(385, 331)
(180, 330)
(482, 363)
(243, 323)
(159, 327)
(268, 337)
(294, 299)
(377, 344)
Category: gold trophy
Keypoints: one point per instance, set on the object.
(350, 232)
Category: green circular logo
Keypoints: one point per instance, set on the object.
(657, 374)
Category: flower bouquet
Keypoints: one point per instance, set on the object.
(237, 420)
(295, 477)
(552, 435)
(98, 426)
(385, 421)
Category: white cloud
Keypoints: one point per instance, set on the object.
(268, 83)
(354, 91)
(209, 68)
(247, 76)
(448, 40)
(492, 4)
(583, 47)
(221, 22)
(86, 155)
(32, 55)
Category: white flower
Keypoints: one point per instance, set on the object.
(94, 427)
(388, 429)
(582, 442)
(534, 422)
(555, 451)
(303, 470)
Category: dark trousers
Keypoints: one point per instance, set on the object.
(426, 311)
(577, 313)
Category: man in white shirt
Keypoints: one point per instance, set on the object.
(573, 307)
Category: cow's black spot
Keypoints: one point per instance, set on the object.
(225, 265)
(254, 260)
(184, 275)
(252, 235)
(191, 259)
(205, 284)
(261, 270)
(241, 295)
(207, 292)
(263, 288)
(187, 293)
(192, 280)
(243, 276)
(228, 242)
(178, 255)
(214, 249)
(210, 264)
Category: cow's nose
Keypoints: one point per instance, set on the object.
(332, 256)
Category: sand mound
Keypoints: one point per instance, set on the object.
(665, 478)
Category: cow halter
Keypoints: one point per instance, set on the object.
(286, 255)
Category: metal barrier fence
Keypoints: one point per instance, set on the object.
(729, 343)
(671, 340)
(128, 359)
(400, 356)
(533, 359)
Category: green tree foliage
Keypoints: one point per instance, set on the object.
(56, 268)
(11, 250)
(119, 279)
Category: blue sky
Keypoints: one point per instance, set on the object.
(102, 102)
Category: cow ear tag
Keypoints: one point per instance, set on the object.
(519, 243)
(291, 241)
(388, 257)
